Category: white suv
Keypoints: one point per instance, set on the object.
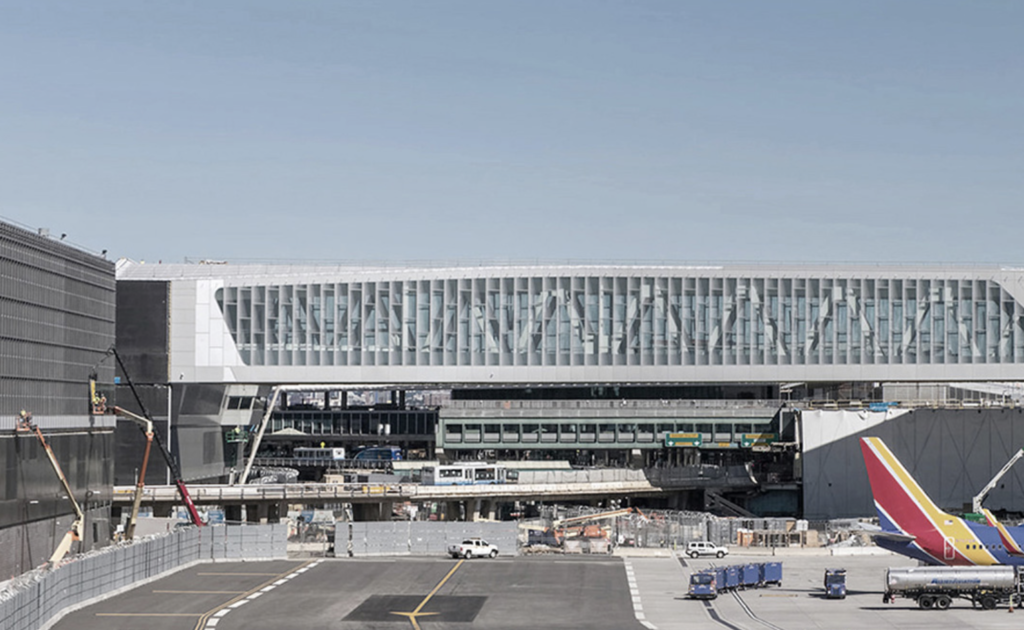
(473, 548)
(704, 548)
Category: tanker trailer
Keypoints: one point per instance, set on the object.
(935, 587)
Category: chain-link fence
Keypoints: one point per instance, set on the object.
(667, 529)
(38, 598)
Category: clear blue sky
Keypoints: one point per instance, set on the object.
(618, 131)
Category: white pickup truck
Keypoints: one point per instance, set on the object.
(473, 548)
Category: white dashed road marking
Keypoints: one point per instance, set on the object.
(634, 592)
(211, 623)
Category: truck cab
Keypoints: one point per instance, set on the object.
(835, 583)
(703, 585)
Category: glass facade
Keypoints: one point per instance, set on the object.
(592, 432)
(641, 317)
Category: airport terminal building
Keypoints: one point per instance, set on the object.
(779, 367)
(599, 364)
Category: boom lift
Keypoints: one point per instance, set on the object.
(978, 498)
(147, 426)
(171, 465)
(25, 425)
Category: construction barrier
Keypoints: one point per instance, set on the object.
(38, 599)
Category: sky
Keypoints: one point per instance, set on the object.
(565, 131)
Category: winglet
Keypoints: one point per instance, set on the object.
(1011, 545)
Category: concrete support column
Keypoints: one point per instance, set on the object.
(490, 509)
(387, 509)
(474, 515)
(252, 513)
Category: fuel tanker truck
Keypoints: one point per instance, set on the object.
(935, 587)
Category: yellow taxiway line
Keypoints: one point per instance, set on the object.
(416, 613)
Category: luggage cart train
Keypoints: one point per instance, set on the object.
(708, 583)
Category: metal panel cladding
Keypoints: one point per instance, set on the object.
(57, 306)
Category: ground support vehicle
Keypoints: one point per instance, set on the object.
(835, 583)
(473, 548)
(753, 575)
(721, 584)
(750, 575)
(698, 548)
(771, 573)
(703, 585)
(732, 577)
(936, 587)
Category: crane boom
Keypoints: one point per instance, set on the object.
(978, 498)
(175, 471)
(593, 517)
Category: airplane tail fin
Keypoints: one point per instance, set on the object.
(903, 506)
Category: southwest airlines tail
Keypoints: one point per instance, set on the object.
(903, 507)
(912, 525)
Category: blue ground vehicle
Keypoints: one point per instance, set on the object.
(750, 575)
(732, 577)
(753, 575)
(703, 585)
(771, 573)
(720, 578)
(835, 583)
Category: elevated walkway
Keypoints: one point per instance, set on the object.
(551, 485)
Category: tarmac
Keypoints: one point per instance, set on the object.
(631, 592)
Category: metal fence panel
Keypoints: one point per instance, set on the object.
(33, 600)
(424, 537)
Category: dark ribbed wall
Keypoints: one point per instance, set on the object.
(57, 320)
(57, 311)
